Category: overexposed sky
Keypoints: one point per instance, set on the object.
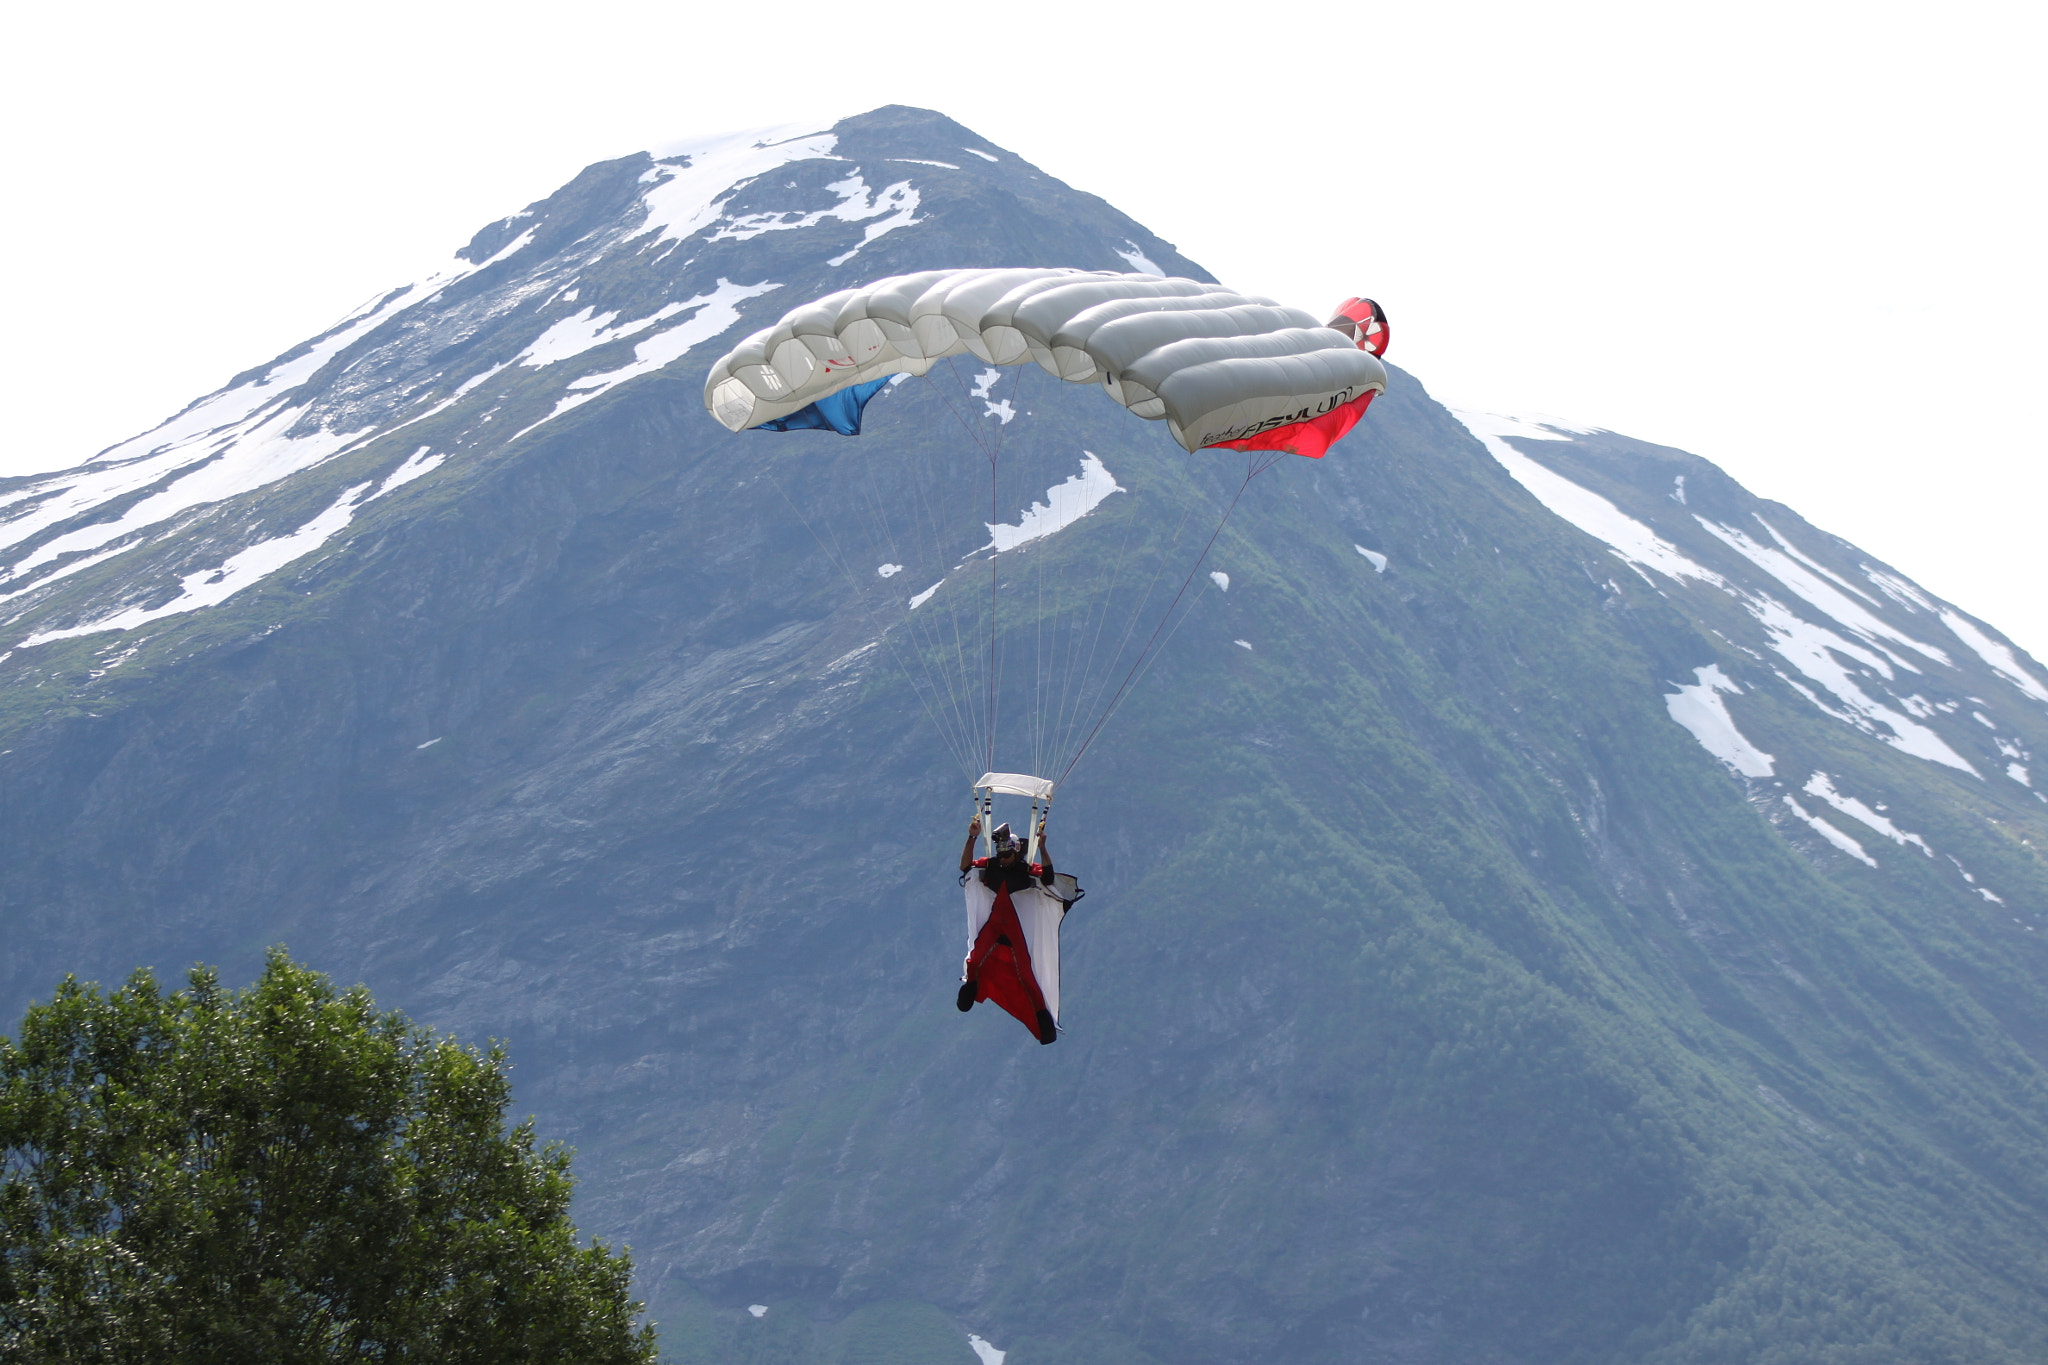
(1802, 240)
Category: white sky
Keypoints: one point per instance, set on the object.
(1803, 240)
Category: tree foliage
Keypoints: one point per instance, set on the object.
(282, 1174)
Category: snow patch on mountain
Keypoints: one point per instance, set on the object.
(900, 201)
(251, 456)
(211, 587)
(1065, 504)
(712, 313)
(1898, 589)
(1998, 656)
(691, 181)
(584, 331)
(65, 571)
(1991, 896)
(1821, 785)
(1137, 259)
(418, 464)
(1818, 653)
(1831, 834)
(1699, 708)
(1631, 541)
(1838, 664)
(227, 444)
(222, 411)
(216, 412)
(183, 440)
(856, 202)
(57, 499)
(1820, 594)
(999, 408)
(1789, 548)
(462, 391)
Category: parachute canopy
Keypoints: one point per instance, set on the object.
(1220, 368)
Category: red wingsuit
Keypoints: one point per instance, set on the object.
(1013, 955)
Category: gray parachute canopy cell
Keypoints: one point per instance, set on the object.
(1217, 366)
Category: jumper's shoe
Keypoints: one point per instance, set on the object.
(965, 999)
(1048, 1031)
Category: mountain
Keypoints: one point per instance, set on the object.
(1546, 903)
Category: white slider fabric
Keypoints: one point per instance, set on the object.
(1016, 784)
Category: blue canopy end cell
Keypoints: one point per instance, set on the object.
(838, 412)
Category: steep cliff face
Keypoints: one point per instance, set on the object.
(1545, 903)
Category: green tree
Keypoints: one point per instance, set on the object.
(282, 1174)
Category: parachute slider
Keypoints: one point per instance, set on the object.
(1039, 789)
(1016, 784)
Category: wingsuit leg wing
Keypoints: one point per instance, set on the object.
(1014, 955)
(980, 900)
